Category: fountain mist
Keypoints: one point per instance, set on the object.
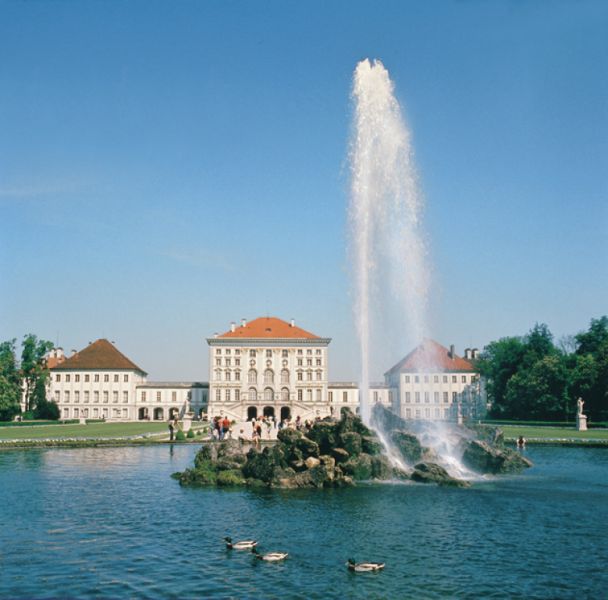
(387, 244)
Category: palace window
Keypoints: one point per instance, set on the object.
(115, 397)
(96, 397)
(237, 351)
(86, 378)
(344, 396)
(125, 378)
(309, 375)
(227, 362)
(309, 395)
(453, 396)
(253, 394)
(300, 394)
(237, 375)
(417, 397)
(285, 395)
(173, 396)
(67, 378)
(96, 378)
(228, 351)
(427, 413)
(416, 379)
(143, 396)
(330, 396)
(407, 379)
(318, 394)
(95, 412)
(158, 397)
(268, 376)
(375, 396)
(76, 397)
(453, 378)
(237, 395)
(86, 396)
(318, 362)
(426, 397)
(318, 351)
(268, 395)
(106, 378)
(218, 350)
(408, 397)
(426, 379)
(76, 412)
(408, 413)
(252, 353)
(309, 362)
(284, 376)
(228, 376)
(116, 378)
(67, 396)
(77, 378)
(125, 397)
(268, 353)
(252, 376)
(445, 379)
(218, 395)
(300, 376)
(237, 362)
(299, 362)
(436, 379)
(436, 397)
(284, 353)
(218, 362)
(464, 379)
(299, 350)
(106, 397)
(58, 377)
(319, 375)
(227, 393)
(445, 397)
(309, 351)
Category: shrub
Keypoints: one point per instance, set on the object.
(180, 436)
(230, 477)
(190, 434)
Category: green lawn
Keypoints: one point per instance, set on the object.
(529, 432)
(92, 430)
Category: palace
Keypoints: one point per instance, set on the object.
(264, 367)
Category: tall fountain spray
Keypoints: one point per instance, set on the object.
(387, 243)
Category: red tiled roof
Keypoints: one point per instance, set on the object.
(100, 355)
(268, 327)
(53, 361)
(431, 356)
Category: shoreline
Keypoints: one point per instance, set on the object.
(21, 444)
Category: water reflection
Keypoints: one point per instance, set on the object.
(114, 524)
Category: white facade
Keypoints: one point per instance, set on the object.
(253, 375)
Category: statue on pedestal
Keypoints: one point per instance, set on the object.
(579, 406)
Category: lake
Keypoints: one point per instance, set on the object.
(110, 522)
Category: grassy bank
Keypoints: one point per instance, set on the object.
(90, 430)
(546, 434)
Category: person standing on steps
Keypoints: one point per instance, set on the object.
(171, 430)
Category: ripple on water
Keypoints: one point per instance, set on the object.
(111, 523)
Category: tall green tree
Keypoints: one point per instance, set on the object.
(10, 381)
(34, 371)
(590, 374)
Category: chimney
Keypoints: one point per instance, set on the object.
(452, 353)
(243, 322)
(475, 354)
(215, 335)
(293, 323)
(467, 353)
(232, 326)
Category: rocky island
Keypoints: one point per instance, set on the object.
(339, 453)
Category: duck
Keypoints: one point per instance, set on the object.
(270, 556)
(242, 545)
(364, 567)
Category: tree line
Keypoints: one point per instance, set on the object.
(532, 377)
(25, 375)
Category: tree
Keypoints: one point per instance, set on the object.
(10, 382)
(590, 375)
(34, 371)
(499, 362)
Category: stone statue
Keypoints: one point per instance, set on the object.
(579, 405)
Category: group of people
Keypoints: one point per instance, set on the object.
(221, 428)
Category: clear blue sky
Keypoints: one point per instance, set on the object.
(168, 167)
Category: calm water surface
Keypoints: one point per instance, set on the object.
(111, 523)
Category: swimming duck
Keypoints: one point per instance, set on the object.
(242, 545)
(270, 556)
(363, 566)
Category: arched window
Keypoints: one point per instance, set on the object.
(228, 375)
(252, 376)
(284, 376)
(268, 376)
(268, 395)
(309, 375)
(252, 353)
(218, 375)
(319, 375)
(253, 394)
(285, 394)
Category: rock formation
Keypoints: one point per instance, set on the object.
(339, 453)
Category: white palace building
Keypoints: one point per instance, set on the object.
(265, 367)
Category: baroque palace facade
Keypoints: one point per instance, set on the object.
(265, 367)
